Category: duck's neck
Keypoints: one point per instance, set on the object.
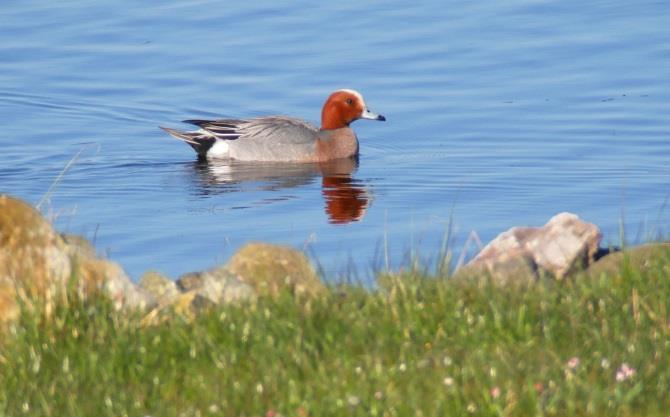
(331, 120)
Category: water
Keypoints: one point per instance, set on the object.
(499, 114)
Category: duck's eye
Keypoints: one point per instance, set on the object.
(350, 101)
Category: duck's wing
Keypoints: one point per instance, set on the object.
(275, 128)
(275, 138)
(278, 129)
(260, 137)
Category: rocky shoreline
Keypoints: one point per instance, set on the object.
(38, 265)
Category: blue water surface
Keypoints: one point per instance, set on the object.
(499, 113)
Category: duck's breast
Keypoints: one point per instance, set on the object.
(336, 144)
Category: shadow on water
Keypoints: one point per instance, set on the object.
(346, 198)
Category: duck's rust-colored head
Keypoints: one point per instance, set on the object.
(343, 107)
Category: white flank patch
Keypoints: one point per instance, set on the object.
(219, 149)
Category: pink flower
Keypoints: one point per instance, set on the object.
(495, 392)
(624, 372)
(573, 362)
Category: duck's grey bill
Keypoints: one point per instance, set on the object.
(367, 114)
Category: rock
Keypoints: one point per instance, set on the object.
(520, 270)
(190, 281)
(9, 308)
(227, 289)
(562, 246)
(159, 286)
(195, 292)
(187, 305)
(78, 246)
(270, 268)
(217, 285)
(110, 279)
(640, 258)
(32, 255)
(37, 264)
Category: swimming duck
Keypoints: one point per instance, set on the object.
(282, 138)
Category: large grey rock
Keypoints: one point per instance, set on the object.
(564, 245)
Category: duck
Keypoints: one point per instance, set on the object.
(282, 138)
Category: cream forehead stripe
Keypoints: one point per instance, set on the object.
(355, 93)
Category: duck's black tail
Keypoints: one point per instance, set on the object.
(199, 141)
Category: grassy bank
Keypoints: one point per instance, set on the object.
(420, 347)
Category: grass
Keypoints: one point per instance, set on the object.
(418, 346)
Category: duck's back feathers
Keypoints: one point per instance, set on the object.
(226, 129)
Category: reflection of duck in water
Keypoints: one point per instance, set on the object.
(281, 138)
(345, 197)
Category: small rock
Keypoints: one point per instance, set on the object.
(560, 247)
(270, 268)
(225, 289)
(187, 306)
(640, 258)
(218, 285)
(159, 286)
(189, 281)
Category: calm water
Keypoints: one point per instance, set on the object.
(500, 113)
